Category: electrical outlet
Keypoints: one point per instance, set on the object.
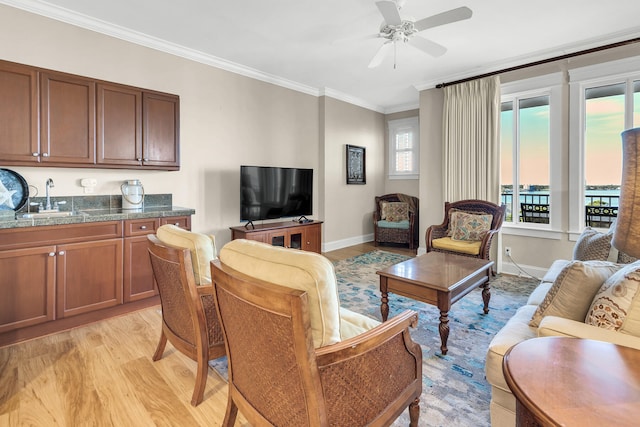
(507, 251)
(88, 190)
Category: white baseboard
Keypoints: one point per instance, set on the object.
(344, 243)
(511, 268)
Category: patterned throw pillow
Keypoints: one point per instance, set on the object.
(573, 290)
(469, 226)
(592, 245)
(616, 306)
(625, 258)
(395, 211)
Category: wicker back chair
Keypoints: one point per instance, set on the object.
(189, 318)
(475, 206)
(276, 377)
(383, 234)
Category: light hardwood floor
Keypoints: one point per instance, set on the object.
(102, 375)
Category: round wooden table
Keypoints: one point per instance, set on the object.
(559, 381)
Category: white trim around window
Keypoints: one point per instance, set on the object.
(409, 128)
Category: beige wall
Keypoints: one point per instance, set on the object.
(349, 208)
(226, 120)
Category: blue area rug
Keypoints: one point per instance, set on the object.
(455, 391)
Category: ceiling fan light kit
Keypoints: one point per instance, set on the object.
(395, 29)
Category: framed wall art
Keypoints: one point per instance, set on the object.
(356, 165)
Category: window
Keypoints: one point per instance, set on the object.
(404, 149)
(529, 168)
(608, 102)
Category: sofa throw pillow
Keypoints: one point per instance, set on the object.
(625, 258)
(573, 290)
(616, 305)
(592, 245)
(394, 211)
(470, 227)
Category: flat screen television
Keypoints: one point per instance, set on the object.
(273, 192)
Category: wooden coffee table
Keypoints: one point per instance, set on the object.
(574, 382)
(439, 279)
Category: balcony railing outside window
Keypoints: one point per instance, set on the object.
(601, 209)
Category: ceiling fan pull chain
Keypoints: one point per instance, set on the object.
(395, 54)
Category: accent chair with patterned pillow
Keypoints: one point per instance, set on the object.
(395, 219)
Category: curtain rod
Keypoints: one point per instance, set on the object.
(543, 61)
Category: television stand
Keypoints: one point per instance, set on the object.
(306, 236)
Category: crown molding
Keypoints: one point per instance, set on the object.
(83, 21)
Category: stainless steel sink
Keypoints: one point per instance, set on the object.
(59, 214)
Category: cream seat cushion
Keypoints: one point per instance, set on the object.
(464, 246)
(307, 271)
(202, 247)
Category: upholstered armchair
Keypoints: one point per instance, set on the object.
(301, 359)
(180, 261)
(395, 219)
(468, 228)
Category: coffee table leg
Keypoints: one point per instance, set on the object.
(486, 296)
(444, 331)
(384, 307)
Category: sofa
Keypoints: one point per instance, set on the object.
(593, 296)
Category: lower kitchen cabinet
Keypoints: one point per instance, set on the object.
(52, 275)
(27, 285)
(89, 276)
(138, 275)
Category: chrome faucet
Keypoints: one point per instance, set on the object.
(48, 185)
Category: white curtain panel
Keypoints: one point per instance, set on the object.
(471, 135)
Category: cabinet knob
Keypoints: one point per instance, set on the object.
(45, 154)
(61, 253)
(177, 224)
(35, 154)
(139, 159)
(145, 160)
(143, 227)
(52, 254)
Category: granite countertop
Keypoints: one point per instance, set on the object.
(96, 215)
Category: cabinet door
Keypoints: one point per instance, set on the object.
(89, 276)
(138, 274)
(18, 113)
(119, 125)
(313, 238)
(27, 287)
(161, 130)
(68, 112)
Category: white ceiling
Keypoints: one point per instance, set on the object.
(315, 46)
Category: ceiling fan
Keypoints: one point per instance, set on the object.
(395, 29)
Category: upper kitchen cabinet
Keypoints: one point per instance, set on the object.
(161, 130)
(137, 129)
(67, 119)
(119, 139)
(48, 118)
(19, 141)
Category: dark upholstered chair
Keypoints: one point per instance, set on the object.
(402, 228)
(189, 318)
(279, 373)
(439, 237)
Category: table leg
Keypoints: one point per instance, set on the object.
(384, 306)
(486, 296)
(444, 330)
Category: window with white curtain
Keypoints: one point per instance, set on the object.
(404, 148)
(530, 138)
(606, 101)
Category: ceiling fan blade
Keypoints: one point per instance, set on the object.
(432, 48)
(389, 11)
(453, 15)
(381, 54)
